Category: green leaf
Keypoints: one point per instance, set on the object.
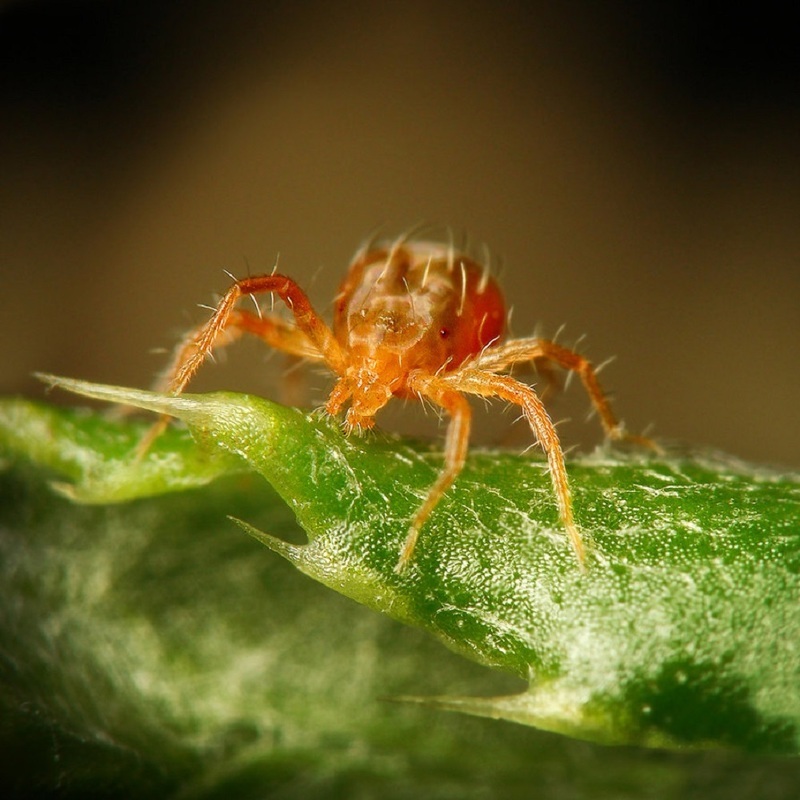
(682, 632)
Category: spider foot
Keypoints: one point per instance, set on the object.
(408, 550)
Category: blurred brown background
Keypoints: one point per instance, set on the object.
(635, 165)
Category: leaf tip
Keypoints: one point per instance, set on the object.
(182, 406)
(289, 551)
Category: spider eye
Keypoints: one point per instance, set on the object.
(444, 333)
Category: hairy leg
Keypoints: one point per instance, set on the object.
(518, 350)
(201, 342)
(456, 445)
(488, 384)
(274, 331)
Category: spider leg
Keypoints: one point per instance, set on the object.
(311, 337)
(271, 329)
(455, 452)
(505, 355)
(274, 331)
(198, 344)
(488, 384)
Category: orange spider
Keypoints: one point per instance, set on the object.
(412, 319)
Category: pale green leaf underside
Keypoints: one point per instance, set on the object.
(682, 631)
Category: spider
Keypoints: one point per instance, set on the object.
(412, 319)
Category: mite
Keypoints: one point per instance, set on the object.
(416, 320)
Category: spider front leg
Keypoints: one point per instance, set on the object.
(270, 329)
(519, 350)
(487, 384)
(310, 338)
(197, 346)
(455, 453)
